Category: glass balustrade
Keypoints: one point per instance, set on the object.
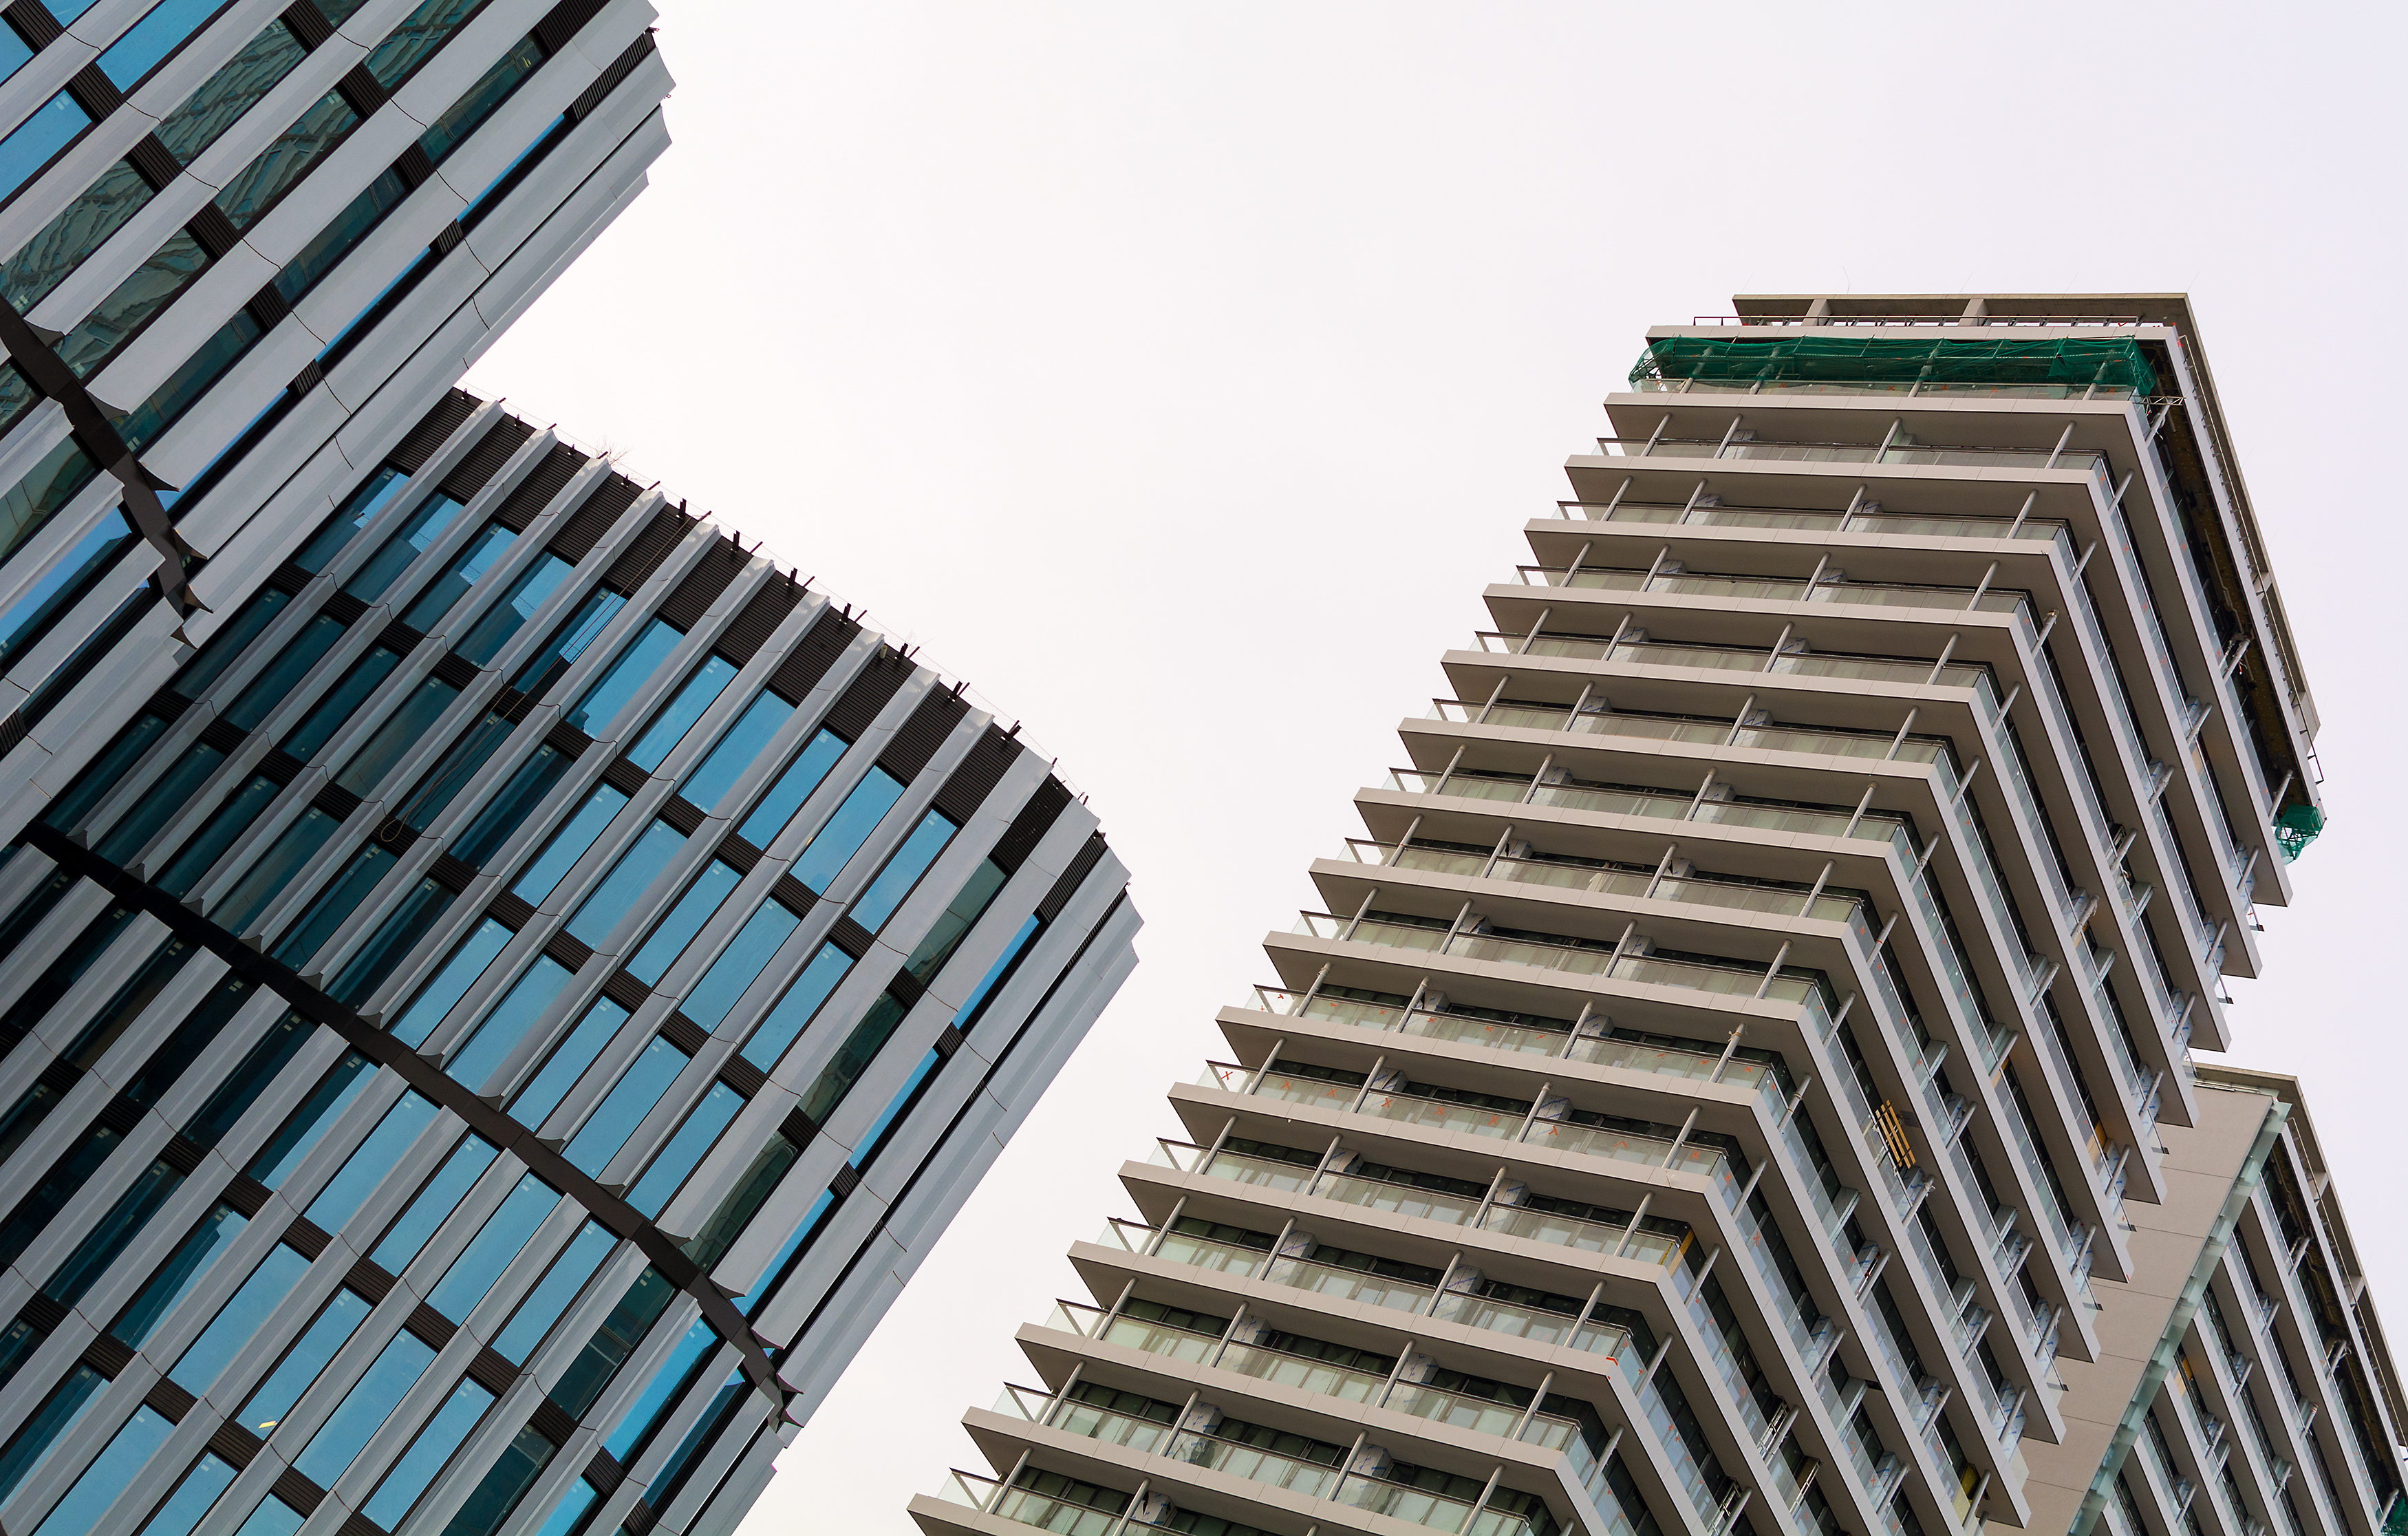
(1141, 1435)
(1455, 1410)
(1399, 1200)
(1347, 1284)
(1297, 1474)
(1595, 1237)
(1306, 1375)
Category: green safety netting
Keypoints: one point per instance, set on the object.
(2296, 828)
(2075, 362)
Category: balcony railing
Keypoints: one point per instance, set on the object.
(1703, 890)
(1935, 598)
(1858, 453)
(1714, 514)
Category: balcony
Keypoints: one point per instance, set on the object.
(1934, 598)
(1890, 452)
(1705, 890)
(1905, 671)
(1709, 511)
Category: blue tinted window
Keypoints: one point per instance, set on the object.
(48, 1424)
(508, 810)
(509, 1023)
(427, 1455)
(620, 679)
(832, 846)
(268, 690)
(29, 617)
(449, 984)
(952, 925)
(568, 845)
(738, 750)
(109, 1236)
(736, 967)
(411, 723)
(568, 1062)
(615, 896)
(793, 787)
(772, 1272)
(253, 1303)
(365, 1408)
(394, 937)
(191, 1499)
(903, 870)
(344, 1082)
(568, 1515)
(14, 55)
(653, 1401)
(685, 1149)
(460, 762)
(419, 529)
(229, 822)
(80, 1508)
(704, 1428)
(150, 39)
(853, 1058)
(510, 612)
(874, 1140)
(435, 1202)
(273, 1517)
(623, 1108)
(367, 1166)
(974, 1007)
(173, 1279)
(677, 717)
(483, 552)
(327, 715)
(552, 1294)
(42, 136)
(272, 875)
(490, 1252)
(802, 999)
(329, 1333)
(372, 496)
(335, 905)
(684, 920)
(568, 643)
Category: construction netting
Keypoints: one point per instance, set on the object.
(2296, 828)
(2070, 363)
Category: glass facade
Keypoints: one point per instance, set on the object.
(530, 1015)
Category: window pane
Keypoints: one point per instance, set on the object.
(739, 750)
(28, 276)
(873, 1140)
(160, 802)
(552, 1294)
(953, 924)
(459, 764)
(104, 1242)
(374, 495)
(273, 874)
(616, 893)
(341, 234)
(130, 306)
(685, 1149)
(33, 501)
(48, 1424)
(666, 1479)
(619, 683)
(802, 999)
(493, 1500)
(242, 1316)
(739, 965)
(852, 1059)
(903, 870)
(344, 1082)
(273, 1517)
(653, 1401)
(483, 554)
(232, 641)
(402, 929)
(434, 1201)
(528, 788)
(479, 101)
(793, 787)
(419, 529)
(568, 845)
(614, 1342)
(83, 1504)
(268, 690)
(365, 1408)
(275, 1396)
(833, 845)
(233, 90)
(18, 1342)
(419, 33)
(260, 1067)
(677, 717)
(93, 783)
(623, 1108)
(568, 1062)
(152, 40)
(367, 1166)
(694, 909)
(328, 714)
(258, 185)
(225, 825)
(191, 1499)
(55, 1189)
(334, 906)
(451, 983)
(175, 1278)
(572, 1511)
(974, 1006)
(491, 1251)
(70, 576)
(568, 643)
(404, 728)
(509, 614)
(42, 136)
(427, 1454)
(509, 1023)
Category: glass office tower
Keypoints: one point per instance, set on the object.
(1742, 1077)
(243, 248)
(492, 1030)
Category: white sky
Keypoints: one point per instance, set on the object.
(1178, 374)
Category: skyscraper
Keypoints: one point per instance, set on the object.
(242, 251)
(1742, 1078)
(492, 1032)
